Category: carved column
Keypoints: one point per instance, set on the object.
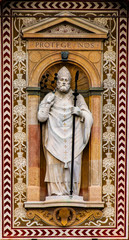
(95, 161)
(33, 190)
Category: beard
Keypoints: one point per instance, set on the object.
(63, 88)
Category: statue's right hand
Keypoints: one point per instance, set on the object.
(50, 99)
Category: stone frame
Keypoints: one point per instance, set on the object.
(120, 228)
(51, 58)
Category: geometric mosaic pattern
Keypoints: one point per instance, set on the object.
(119, 230)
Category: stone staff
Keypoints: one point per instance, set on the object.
(75, 93)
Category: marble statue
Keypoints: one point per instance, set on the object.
(55, 112)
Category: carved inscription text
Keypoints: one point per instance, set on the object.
(57, 45)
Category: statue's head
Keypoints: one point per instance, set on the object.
(63, 80)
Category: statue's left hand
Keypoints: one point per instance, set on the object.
(77, 111)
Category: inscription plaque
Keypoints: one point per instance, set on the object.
(57, 45)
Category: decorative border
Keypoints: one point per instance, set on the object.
(6, 119)
(8, 231)
(122, 120)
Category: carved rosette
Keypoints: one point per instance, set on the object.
(64, 216)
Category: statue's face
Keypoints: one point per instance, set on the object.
(63, 84)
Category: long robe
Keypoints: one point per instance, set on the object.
(57, 141)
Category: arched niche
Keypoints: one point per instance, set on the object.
(75, 58)
(91, 178)
(84, 83)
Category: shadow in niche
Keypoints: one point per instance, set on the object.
(83, 85)
(85, 174)
(43, 185)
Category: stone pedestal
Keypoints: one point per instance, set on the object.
(64, 201)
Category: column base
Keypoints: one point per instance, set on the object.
(95, 193)
(33, 193)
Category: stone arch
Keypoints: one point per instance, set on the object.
(75, 58)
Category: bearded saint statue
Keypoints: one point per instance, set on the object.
(56, 113)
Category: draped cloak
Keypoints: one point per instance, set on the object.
(57, 131)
